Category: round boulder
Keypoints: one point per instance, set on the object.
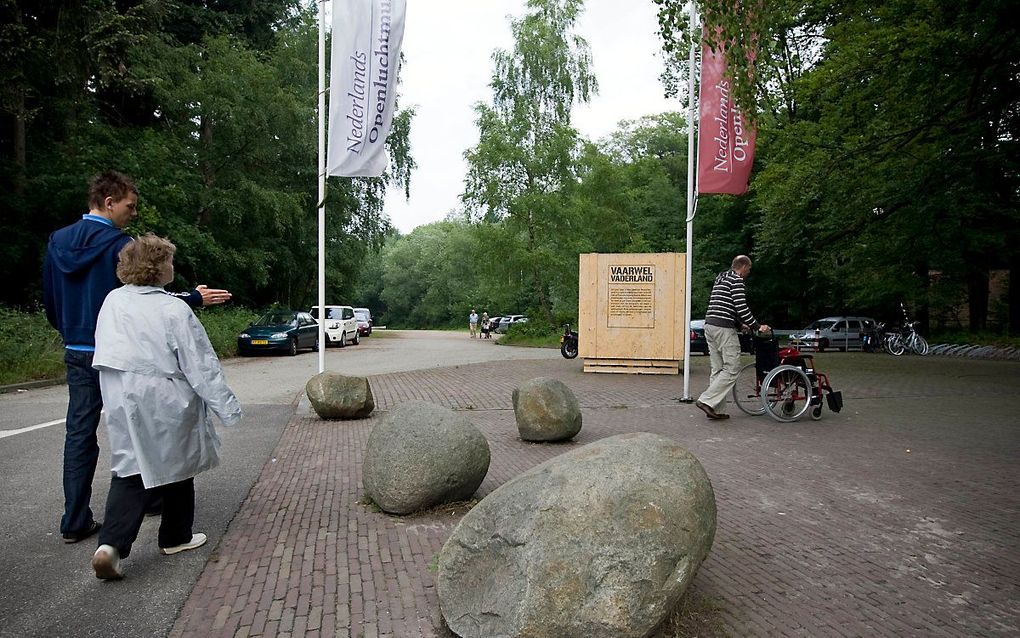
(421, 455)
(599, 542)
(546, 410)
(335, 396)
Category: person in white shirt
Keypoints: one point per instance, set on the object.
(160, 380)
(473, 323)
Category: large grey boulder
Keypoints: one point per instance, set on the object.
(546, 410)
(422, 455)
(599, 542)
(336, 396)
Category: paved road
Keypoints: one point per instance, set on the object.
(896, 517)
(49, 589)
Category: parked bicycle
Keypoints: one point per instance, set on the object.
(892, 341)
(907, 338)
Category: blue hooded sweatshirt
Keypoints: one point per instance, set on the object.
(79, 271)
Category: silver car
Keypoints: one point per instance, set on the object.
(504, 322)
(842, 333)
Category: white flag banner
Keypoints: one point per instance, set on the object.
(363, 84)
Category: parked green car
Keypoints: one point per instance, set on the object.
(279, 331)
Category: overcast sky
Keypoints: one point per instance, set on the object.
(448, 47)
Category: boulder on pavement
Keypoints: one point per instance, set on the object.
(599, 542)
(546, 410)
(336, 396)
(421, 455)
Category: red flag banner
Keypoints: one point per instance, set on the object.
(725, 137)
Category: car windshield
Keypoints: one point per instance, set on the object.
(361, 314)
(276, 319)
(821, 324)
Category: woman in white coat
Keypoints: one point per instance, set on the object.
(160, 380)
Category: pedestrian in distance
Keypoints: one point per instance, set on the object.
(160, 379)
(727, 313)
(486, 326)
(78, 272)
(473, 323)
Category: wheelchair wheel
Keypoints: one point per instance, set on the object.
(746, 394)
(787, 393)
(816, 412)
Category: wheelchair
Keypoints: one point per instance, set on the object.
(784, 383)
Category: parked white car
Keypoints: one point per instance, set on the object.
(340, 325)
(506, 320)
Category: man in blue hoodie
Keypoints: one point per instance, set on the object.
(79, 270)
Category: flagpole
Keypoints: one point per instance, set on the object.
(692, 195)
(321, 162)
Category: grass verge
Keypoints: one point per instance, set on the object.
(31, 350)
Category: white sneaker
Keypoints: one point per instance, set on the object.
(106, 562)
(197, 540)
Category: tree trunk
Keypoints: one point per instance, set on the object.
(20, 144)
(19, 113)
(1014, 294)
(977, 299)
(922, 309)
(205, 164)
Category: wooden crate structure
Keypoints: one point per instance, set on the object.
(631, 312)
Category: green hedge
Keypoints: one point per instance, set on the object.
(31, 350)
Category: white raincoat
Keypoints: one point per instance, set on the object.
(160, 379)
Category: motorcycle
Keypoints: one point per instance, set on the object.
(568, 342)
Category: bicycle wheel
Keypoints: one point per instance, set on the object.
(918, 344)
(787, 393)
(894, 345)
(746, 392)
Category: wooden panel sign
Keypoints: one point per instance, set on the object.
(631, 312)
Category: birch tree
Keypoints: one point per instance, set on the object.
(524, 164)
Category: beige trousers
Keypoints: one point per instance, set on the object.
(724, 354)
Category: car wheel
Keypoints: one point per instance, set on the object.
(343, 339)
(292, 348)
(357, 338)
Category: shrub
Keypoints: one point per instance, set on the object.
(532, 328)
(30, 349)
(223, 324)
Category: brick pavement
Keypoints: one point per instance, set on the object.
(896, 517)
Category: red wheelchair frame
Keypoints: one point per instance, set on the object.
(784, 383)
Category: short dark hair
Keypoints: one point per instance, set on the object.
(110, 184)
(142, 260)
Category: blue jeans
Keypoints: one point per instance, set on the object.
(81, 449)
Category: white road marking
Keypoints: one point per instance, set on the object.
(6, 433)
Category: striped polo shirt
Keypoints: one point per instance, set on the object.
(727, 306)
